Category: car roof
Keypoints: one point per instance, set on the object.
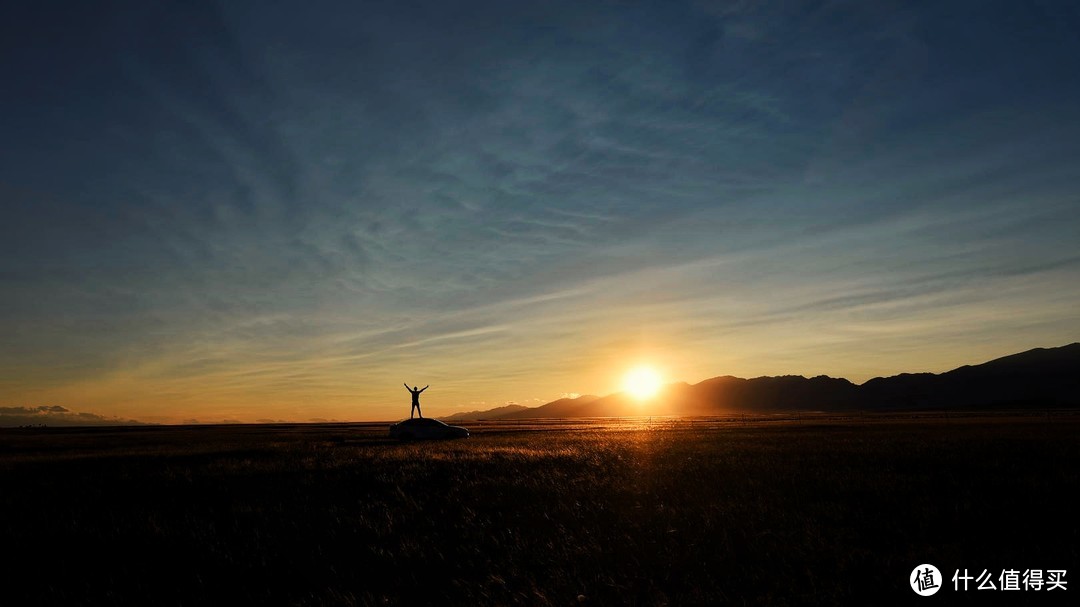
(422, 421)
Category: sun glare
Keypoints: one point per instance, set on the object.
(642, 382)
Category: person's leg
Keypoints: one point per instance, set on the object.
(419, 411)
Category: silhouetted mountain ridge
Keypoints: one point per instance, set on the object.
(489, 413)
(1039, 378)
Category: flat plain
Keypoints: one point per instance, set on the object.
(806, 510)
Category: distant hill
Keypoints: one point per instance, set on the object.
(564, 407)
(497, 412)
(1039, 378)
(1044, 377)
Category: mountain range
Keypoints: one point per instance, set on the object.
(1039, 378)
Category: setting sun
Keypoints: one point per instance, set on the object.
(642, 382)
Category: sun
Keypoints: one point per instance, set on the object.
(642, 382)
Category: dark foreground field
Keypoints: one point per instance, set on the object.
(805, 512)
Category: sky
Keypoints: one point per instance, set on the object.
(284, 211)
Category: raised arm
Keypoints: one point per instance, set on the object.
(425, 388)
(408, 388)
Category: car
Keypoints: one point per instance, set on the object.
(426, 427)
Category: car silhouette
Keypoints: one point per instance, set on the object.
(426, 427)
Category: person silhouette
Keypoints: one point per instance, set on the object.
(415, 399)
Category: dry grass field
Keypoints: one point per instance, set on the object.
(808, 511)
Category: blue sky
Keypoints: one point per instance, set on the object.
(285, 210)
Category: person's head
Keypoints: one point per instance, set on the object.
(414, 387)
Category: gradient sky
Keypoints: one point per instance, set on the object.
(276, 210)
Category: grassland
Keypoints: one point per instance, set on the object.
(745, 512)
